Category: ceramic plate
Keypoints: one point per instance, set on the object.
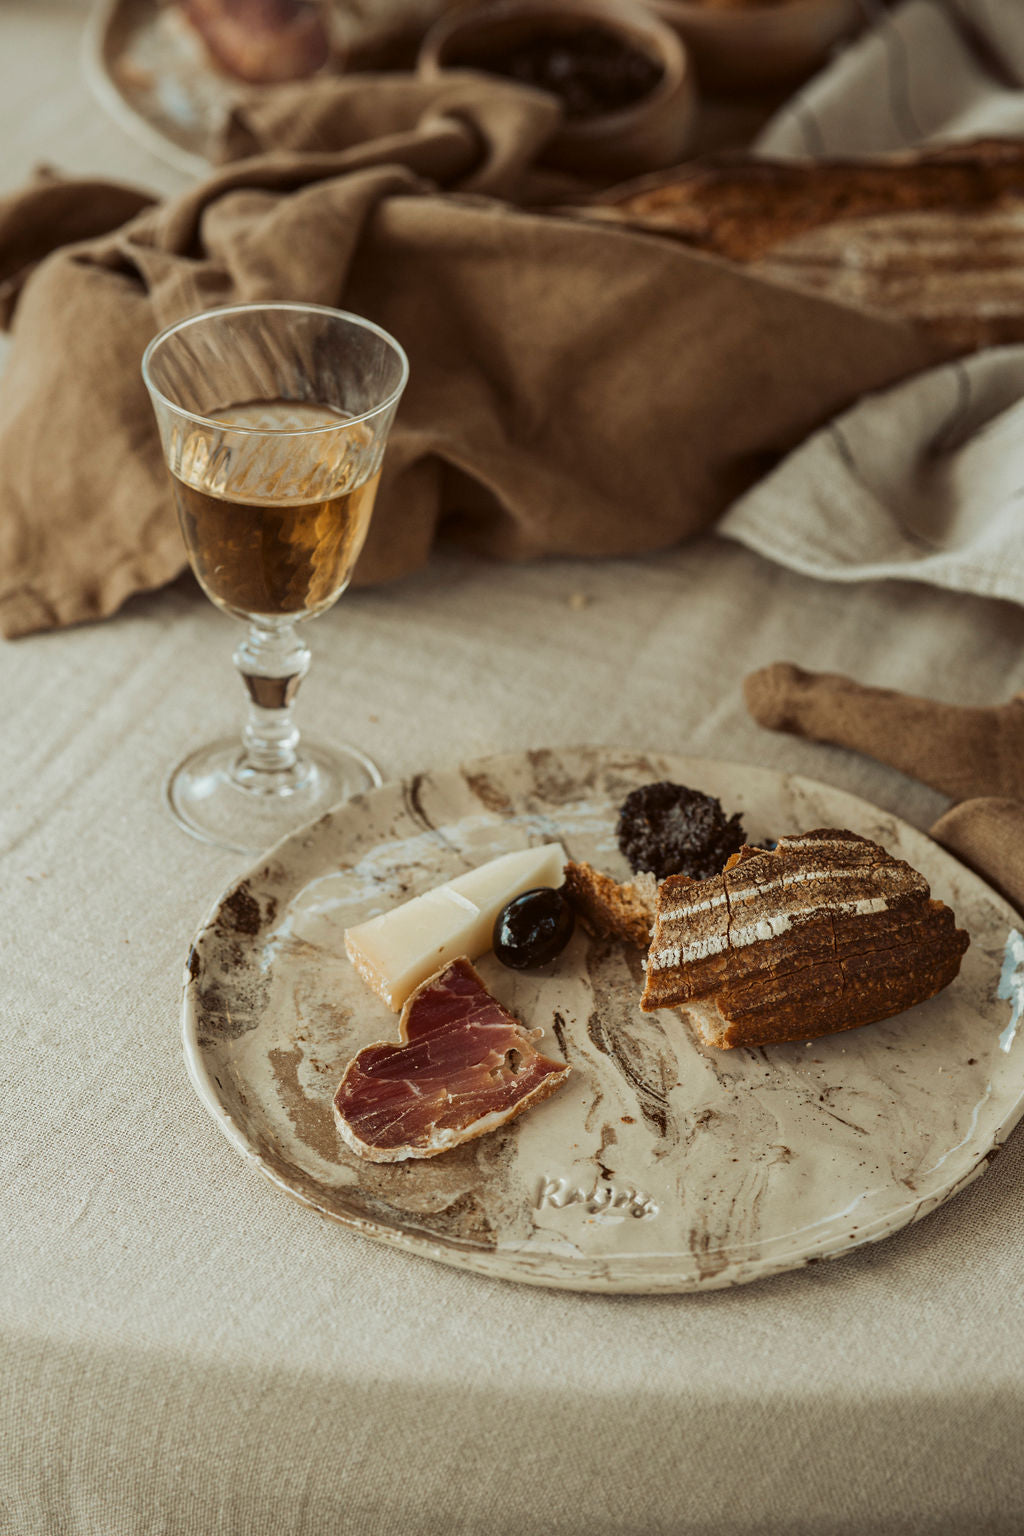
(661, 1165)
(155, 77)
(153, 73)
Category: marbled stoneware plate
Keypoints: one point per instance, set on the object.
(661, 1165)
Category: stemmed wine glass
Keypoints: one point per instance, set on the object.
(273, 419)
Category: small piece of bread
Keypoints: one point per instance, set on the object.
(825, 933)
(607, 908)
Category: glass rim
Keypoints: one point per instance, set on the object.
(275, 304)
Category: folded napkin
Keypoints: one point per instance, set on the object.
(575, 388)
(922, 482)
(974, 755)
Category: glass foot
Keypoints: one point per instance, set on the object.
(213, 799)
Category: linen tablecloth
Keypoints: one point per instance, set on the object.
(184, 1350)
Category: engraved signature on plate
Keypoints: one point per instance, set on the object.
(602, 1200)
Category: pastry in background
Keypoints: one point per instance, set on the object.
(934, 236)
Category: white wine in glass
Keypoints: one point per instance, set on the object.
(273, 420)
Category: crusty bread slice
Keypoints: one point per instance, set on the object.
(825, 933)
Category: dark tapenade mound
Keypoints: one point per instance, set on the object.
(589, 69)
(671, 830)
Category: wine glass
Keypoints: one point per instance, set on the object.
(273, 420)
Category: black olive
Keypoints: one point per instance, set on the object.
(533, 928)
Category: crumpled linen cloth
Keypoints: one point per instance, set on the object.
(574, 389)
(974, 754)
(924, 481)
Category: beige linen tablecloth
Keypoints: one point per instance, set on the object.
(187, 1352)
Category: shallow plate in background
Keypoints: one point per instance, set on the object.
(661, 1165)
(153, 73)
(154, 76)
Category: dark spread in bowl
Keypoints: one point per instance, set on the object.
(590, 70)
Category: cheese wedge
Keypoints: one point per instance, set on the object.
(394, 952)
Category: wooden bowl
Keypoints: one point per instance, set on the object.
(742, 47)
(650, 134)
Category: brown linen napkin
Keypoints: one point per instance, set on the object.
(973, 754)
(574, 389)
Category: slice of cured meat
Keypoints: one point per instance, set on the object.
(464, 1067)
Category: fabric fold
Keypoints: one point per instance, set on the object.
(921, 482)
(575, 389)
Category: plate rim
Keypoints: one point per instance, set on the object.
(495, 1263)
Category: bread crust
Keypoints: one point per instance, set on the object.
(743, 207)
(825, 933)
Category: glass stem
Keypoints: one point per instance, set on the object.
(272, 661)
